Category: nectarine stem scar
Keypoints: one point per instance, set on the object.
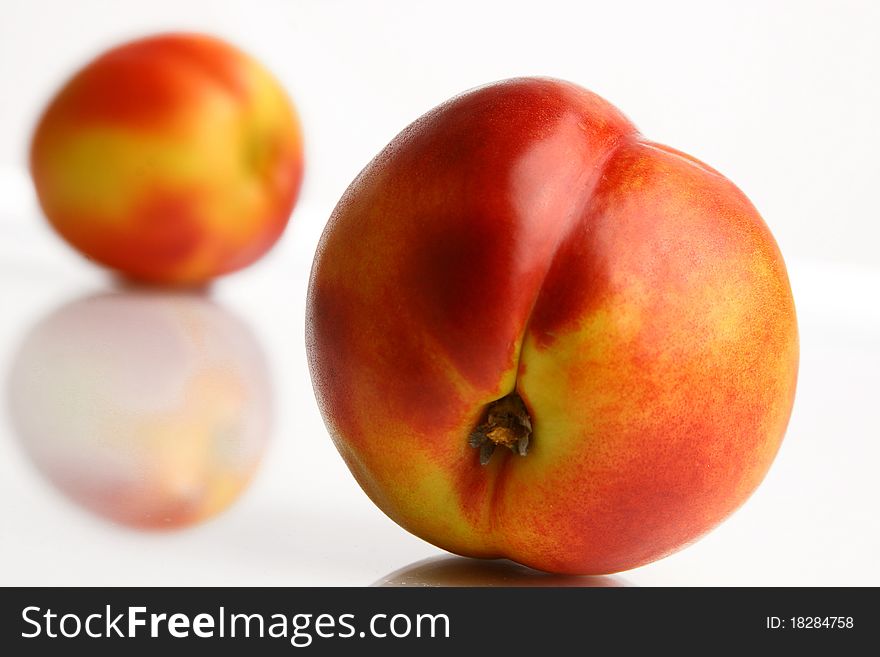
(506, 423)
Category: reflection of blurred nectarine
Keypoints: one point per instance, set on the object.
(149, 409)
(171, 159)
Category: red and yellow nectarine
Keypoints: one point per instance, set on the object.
(521, 269)
(171, 159)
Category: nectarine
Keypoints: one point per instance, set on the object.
(535, 334)
(171, 159)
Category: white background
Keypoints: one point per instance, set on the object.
(782, 97)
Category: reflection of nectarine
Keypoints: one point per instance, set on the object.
(149, 409)
(533, 333)
(171, 159)
(461, 571)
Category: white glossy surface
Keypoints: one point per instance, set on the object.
(788, 116)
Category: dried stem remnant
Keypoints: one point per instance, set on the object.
(507, 423)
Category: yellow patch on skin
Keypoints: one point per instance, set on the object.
(101, 172)
(267, 120)
(428, 488)
(208, 152)
(549, 387)
(264, 127)
(422, 485)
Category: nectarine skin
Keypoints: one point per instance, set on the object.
(524, 237)
(171, 159)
